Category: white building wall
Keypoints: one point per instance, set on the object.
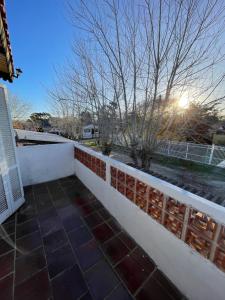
(43, 163)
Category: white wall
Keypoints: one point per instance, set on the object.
(43, 163)
(194, 275)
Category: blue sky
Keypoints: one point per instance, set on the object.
(41, 37)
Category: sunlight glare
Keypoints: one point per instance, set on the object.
(183, 102)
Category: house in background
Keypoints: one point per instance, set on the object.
(219, 136)
(90, 132)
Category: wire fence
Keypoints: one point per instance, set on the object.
(206, 154)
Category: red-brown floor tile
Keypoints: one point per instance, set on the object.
(67, 211)
(26, 213)
(127, 240)
(27, 265)
(131, 273)
(101, 280)
(60, 260)
(115, 250)
(79, 237)
(28, 243)
(36, 287)
(143, 260)
(104, 214)
(69, 285)
(88, 254)
(97, 205)
(120, 293)
(55, 240)
(114, 225)
(93, 220)
(6, 264)
(103, 232)
(7, 245)
(6, 288)
(153, 291)
(26, 228)
(9, 228)
(167, 285)
(72, 222)
(80, 201)
(86, 210)
(50, 225)
(87, 296)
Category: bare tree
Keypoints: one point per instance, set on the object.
(140, 56)
(20, 109)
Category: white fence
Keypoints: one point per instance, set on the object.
(206, 154)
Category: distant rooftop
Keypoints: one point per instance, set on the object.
(6, 60)
(26, 135)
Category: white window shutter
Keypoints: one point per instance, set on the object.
(11, 192)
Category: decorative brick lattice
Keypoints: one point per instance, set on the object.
(141, 201)
(200, 230)
(155, 212)
(113, 182)
(221, 240)
(219, 259)
(130, 181)
(124, 183)
(130, 194)
(141, 195)
(175, 208)
(121, 176)
(173, 225)
(141, 188)
(155, 197)
(204, 225)
(174, 216)
(93, 163)
(121, 187)
(198, 243)
(113, 172)
(155, 204)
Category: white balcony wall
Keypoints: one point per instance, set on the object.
(43, 163)
(198, 278)
(195, 276)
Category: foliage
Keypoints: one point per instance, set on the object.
(40, 120)
(135, 60)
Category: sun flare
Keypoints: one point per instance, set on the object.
(183, 102)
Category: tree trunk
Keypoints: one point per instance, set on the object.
(134, 156)
(145, 159)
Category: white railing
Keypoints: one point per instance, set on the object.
(182, 232)
(206, 154)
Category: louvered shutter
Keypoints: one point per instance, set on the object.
(11, 192)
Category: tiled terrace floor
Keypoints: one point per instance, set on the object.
(70, 247)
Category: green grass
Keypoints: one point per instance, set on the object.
(92, 144)
(191, 166)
